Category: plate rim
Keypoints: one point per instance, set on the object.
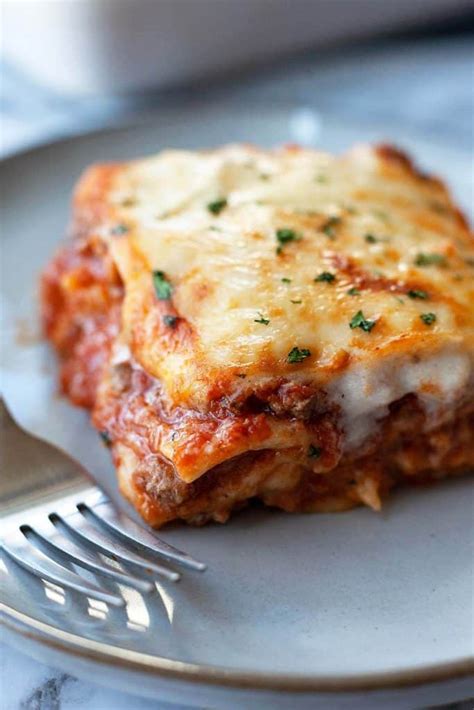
(135, 661)
(219, 676)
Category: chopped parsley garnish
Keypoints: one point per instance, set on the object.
(417, 293)
(428, 318)
(284, 236)
(217, 206)
(261, 319)
(325, 276)
(372, 239)
(298, 354)
(264, 176)
(105, 436)
(287, 235)
(322, 179)
(381, 215)
(329, 226)
(314, 452)
(353, 291)
(296, 300)
(162, 286)
(285, 280)
(430, 260)
(360, 321)
(119, 229)
(170, 321)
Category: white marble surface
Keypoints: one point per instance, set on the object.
(425, 84)
(29, 685)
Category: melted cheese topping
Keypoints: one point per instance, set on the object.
(245, 298)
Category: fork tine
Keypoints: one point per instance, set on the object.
(94, 539)
(86, 561)
(127, 530)
(37, 563)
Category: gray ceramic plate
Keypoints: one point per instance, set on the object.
(338, 609)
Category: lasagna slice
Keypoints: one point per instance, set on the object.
(284, 325)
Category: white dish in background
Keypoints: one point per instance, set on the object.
(115, 46)
(343, 610)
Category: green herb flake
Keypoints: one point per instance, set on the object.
(360, 321)
(129, 202)
(284, 236)
(430, 260)
(314, 452)
(119, 229)
(298, 355)
(330, 225)
(170, 321)
(325, 276)
(105, 436)
(400, 300)
(321, 179)
(261, 319)
(417, 293)
(217, 206)
(428, 318)
(353, 291)
(296, 300)
(370, 239)
(285, 280)
(264, 176)
(162, 287)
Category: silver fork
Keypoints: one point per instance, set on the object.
(62, 528)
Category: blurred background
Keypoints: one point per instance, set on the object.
(71, 65)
